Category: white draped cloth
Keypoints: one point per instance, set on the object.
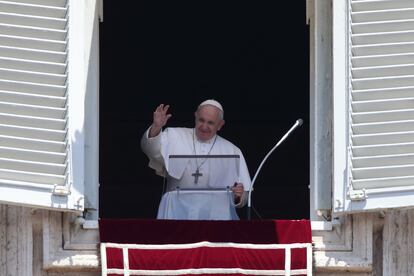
(209, 198)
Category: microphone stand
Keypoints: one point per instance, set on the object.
(297, 124)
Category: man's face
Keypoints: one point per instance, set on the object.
(207, 122)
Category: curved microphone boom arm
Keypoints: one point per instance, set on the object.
(297, 124)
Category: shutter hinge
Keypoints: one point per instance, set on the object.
(356, 195)
(61, 190)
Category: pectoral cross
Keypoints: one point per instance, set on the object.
(196, 175)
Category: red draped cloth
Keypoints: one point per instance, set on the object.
(174, 247)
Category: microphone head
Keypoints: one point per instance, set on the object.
(299, 122)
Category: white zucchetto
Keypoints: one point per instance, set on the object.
(213, 103)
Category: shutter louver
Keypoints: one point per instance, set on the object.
(382, 94)
(33, 100)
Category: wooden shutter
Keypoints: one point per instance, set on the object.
(380, 79)
(35, 145)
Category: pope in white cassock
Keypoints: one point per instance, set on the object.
(209, 177)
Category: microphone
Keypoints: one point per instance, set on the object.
(297, 124)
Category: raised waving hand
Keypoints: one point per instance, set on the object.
(160, 118)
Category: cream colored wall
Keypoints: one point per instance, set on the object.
(28, 245)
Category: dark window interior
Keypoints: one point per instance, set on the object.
(252, 56)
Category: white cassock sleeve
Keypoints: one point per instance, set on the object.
(245, 179)
(224, 146)
(160, 148)
(152, 148)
